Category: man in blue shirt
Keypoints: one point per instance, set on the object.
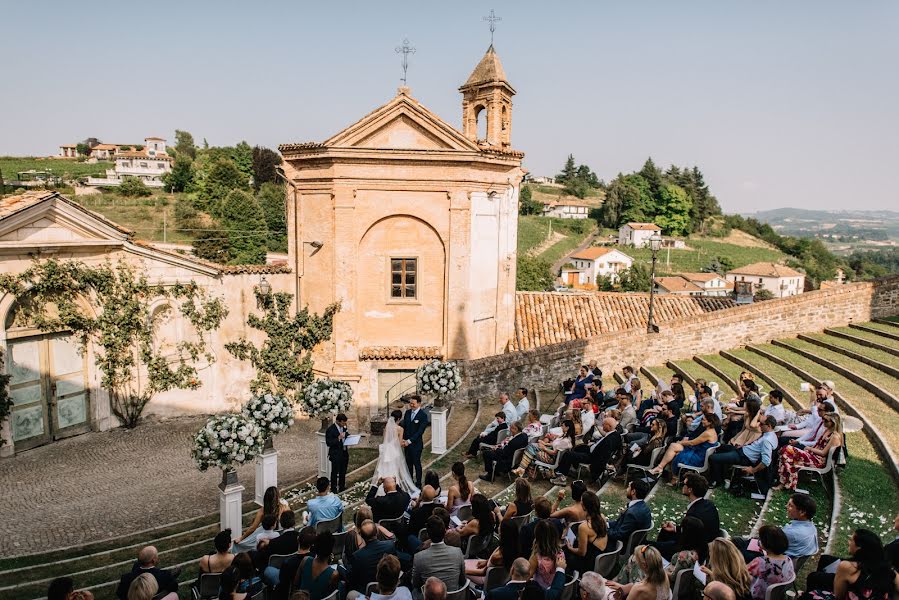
(801, 533)
(325, 506)
(753, 459)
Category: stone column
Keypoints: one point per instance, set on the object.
(230, 501)
(324, 465)
(438, 430)
(266, 472)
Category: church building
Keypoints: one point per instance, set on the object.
(411, 225)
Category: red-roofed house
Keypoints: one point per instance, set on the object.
(780, 280)
(590, 263)
(637, 234)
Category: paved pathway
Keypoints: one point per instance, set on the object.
(114, 482)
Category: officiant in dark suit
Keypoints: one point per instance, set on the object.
(415, 421)
(337, 452)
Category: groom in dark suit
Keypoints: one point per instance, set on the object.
(337, 452)
(415, 421)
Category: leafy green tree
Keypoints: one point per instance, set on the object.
(569, 171)
(5, 401)
(283, 361)
(82, 149)
(184, 144)
(271, 199)
(720, 265)
(244, 220)
(242, 155)
(526, 203)
(265, 164)
(533, 274)
(762, 294)
(181, 177)
(653, 176)
(222, 178)
(673, 206)
(604, 283)
(641, 207)
(635, 279)
(213, 245)
(132, 186)
(586, 174)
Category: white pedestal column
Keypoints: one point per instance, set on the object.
(230, 500)
(438, 430)
(266, 473)
(324, 465)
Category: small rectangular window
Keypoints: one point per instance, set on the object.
(143, 165)
(403, 277)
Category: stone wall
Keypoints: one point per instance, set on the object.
(680, 339)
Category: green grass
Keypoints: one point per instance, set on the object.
(695, 370)
(66, 168)
(871, 337)
(885, 382)
(701, 252)
(730, 369)
(892, 329)
(738, 514)
(532, 230)
(151, 218)
(872, 353)
(786, 378)
(563, 247)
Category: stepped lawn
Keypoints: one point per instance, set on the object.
(66, 168)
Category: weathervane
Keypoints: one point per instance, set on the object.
(406, 50)
(492, 19)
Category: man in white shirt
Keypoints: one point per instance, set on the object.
(629, 375)
(524, 405)
(776, 408)
(508, 408)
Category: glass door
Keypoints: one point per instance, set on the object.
(68, 392)
(28, 391)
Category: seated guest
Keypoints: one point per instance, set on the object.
(364, 563)
(503, 556)
(286, 543)
(288, 571)
(265, 531)
(578, 387)
(634, 517)
(591, 537)
(523, 503)
(430, 492)
(508, 408)
(866, 574)
(392, 504)
(707, 406)
(546, 449)
(646, 443)
(629, 376)
(63, 588)
(388, 579)
(775, 406)
(272, 504)
(626, 407)
(691, 547)
(519, 577)
(716, 590)
(145, 587)
(636, 392)
(753, 459)
(654, 581)
(353, 539)
(680, 396)
(546, 555)
(482, 524)
(460, 493)
(598, 455)
(587, 415)
(434, 589)
(811, 417)
(489, 435)
(691, 452)
(802, 535)
(451, 537)
(794, 457)
(221, 559)
(748, 429)
(533, 427)
(542, 510)
(438, 560)
(326, 506)
(694, 487)
(316, 575)
(773, 566)
(250, 582)
(575, 511)
(726, 565)
(148, 562)
(523, 405)
(592, 586)
(504, 453)
(593, 365)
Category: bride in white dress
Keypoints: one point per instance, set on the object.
(392, 460)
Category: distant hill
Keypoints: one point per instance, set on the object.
(803, 214)
(834, 226)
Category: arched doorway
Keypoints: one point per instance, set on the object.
(48, 385)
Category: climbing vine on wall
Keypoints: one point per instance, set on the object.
(283, 362)
(5, 400)
(52, 296)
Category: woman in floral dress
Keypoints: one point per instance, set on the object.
(772, 567)
(546, 449)
(794, 458)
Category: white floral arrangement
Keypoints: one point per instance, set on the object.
(326, 397)
(438, 378)
(226, 441)
(273, 414)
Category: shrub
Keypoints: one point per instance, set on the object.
(132, 186)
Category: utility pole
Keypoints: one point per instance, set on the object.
(654, 243)
(165, 225)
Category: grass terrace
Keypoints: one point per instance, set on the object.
(872, 353)
(871, 337)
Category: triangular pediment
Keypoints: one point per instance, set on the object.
(55, 220)
(402, 124)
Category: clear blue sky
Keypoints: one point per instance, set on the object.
(780, 103)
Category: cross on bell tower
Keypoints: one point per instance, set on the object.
(492, 19)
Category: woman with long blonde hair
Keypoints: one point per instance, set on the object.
(727, 565)
(654, 583)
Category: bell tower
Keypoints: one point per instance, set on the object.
(487, 95)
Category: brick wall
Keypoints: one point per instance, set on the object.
(683, 338)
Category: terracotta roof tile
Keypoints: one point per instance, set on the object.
(13, 204)
(677, 284)
(644, 226)
(489, 69)
(543, 318)
(766, 269)
(592, 253)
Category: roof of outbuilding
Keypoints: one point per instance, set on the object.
(677, 284)
(11, 205)
(766, 269)
(644, 226)
(543, 318)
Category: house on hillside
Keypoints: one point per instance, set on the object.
(149, 164)
(543, 180)
(676, 285)
(780, 280)
(637, 234)
(105, 151)
(68, 151)
(712, 284)
(590, 263)
(566, 209)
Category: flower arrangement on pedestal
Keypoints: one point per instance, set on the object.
(227, 441)
(325, 397)
(439, 379)
(272, 414)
